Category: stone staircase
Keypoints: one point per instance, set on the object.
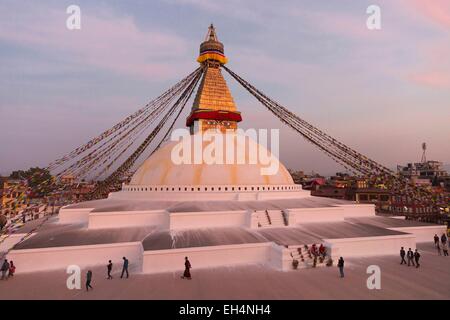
(263, 219)
(306, 259)
(271, 218)
(276, 218)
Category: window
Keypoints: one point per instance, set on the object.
(363, 197)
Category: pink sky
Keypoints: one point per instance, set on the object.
(382, 92)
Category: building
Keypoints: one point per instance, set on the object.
(67, 179)
(217, 214)
(423, 173)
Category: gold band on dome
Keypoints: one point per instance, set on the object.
(212, 56)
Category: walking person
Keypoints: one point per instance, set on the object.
(88, 280)
(187, 268)
(5, 268)
(12, 269)
(410, 256)
(341, 266)
(109, 267)
(445, 248)
(124, 267)
(402, 255)
(436, 240)
(443, 238)
(417, 257)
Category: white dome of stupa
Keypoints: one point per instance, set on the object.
(161, 169)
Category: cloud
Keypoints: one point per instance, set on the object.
(107, 41)
(435, 69)
(436, 11)
(432, 78)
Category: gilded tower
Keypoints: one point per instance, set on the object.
(213, 106)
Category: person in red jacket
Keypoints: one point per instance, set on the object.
(12, 269)
(322, 250)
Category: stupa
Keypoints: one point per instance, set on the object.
(216, 214)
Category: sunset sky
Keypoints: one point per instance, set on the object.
(382, 92)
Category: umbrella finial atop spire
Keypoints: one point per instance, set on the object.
(212, 48)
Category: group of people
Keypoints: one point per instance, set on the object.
(413, 257)
(318, 251)
(8, 269)
(442, 245)
(109, 267)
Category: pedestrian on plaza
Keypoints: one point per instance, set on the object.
(124, 267)
(322, 250)
(187, 269)
(410, 256)
(341, 266)
(417, 257)
(443, 238)
(12, 269)
(4, 268)
(445, 248)
(402, 255)
(88, 280)
(436, 240)
(109, 267)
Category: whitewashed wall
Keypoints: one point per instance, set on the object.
(192, 220)
(74, 215)
(424, 233)
(329, 214)
(369, 246)
(120, 219)
(11, 240)
(206, 257)
(44, 259)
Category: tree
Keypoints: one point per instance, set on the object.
(38, 179)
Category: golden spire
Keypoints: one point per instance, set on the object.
(213, 106)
